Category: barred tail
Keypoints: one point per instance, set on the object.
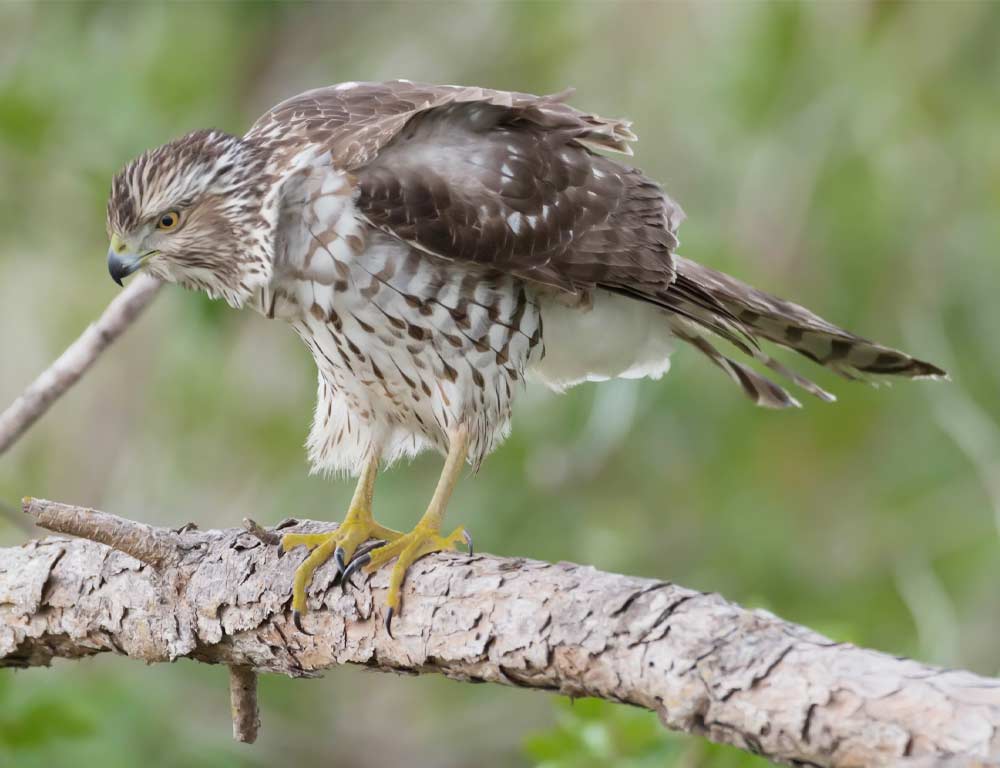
(706, 299)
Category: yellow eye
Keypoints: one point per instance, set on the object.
(168, 221)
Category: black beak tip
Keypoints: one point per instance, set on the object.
(118, 268)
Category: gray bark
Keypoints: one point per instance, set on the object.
(705, 665)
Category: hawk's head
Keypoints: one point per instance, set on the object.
(191, 212)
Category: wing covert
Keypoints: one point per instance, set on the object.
(507, 181)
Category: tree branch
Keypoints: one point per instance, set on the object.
(78, 357)
(157, 547)
(705, 665)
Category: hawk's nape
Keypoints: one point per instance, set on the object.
(432, 245)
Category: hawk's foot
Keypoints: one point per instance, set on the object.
(341, 544)
(408, 548)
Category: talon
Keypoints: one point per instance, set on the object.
(356, 564)
(388, 621)
(368, 546)
(338, 557)
(297, 621)
(406, 550)
(347, 546)
(468, 540)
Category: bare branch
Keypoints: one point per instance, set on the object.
(74, 362)
(705, 665)
(157, 547)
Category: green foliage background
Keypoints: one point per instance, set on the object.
(840, 154)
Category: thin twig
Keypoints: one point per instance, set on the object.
(256, 529)
(74, 362)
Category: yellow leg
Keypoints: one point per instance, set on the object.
(426, 535)
(358, 527)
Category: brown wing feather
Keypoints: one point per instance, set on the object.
(505, 180)
(473, 182)
(355, 120)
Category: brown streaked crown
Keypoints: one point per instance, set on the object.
(179, 168)
(216, 184)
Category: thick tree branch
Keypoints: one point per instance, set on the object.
(78, 357)
(704, 665)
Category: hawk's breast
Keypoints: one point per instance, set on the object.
(408, 347)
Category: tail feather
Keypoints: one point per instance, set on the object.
(795, 327)
(748, 314)
(685, 298)
(801, 381)
(758, 388)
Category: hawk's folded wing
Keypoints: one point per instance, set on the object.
(506, 181)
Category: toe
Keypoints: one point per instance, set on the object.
(305, 571)
(393, 597)
(409, 548)
(458, 539)
(291, 540)
(383, 554)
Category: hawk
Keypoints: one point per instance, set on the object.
(432, 246)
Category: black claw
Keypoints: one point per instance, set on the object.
(338, 558)
(368, 546)
(388, 621)
(468, 540)
(360, 560)
(297, 621)
(356, 564)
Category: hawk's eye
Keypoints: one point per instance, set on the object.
(168, 221)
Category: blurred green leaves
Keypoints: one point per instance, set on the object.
(591, 733)
(24, 119)
(37, 720)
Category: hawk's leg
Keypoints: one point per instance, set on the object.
(358, 527)
(426, 535)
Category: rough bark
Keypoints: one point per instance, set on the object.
(78, 357)
(705, 665)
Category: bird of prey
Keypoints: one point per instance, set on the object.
(432, 246)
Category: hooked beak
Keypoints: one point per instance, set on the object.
(121, 262)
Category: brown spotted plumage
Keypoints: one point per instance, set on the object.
(433, 245)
